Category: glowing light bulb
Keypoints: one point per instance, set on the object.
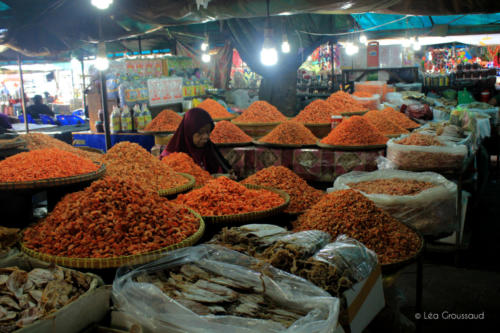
(406, 42)
(351, 49)
(285, 47)
(205, 57)
(204, 46)
(363, 39)
(268, 56)
(101, 4)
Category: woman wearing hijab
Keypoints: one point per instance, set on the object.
(193, 138)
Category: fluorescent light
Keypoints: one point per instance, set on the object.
(268, 56)
(101, 4)
(205, 57)
(347, 5)
(101, 61)
(351, 49)
(363, 39)
(406, 42)
(416, 45)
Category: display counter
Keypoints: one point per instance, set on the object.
(97, 140)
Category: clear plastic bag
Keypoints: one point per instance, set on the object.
(426, 158)
(308, 242)
(432, 211)
(370, 103)
(350, 256)
(153, 309)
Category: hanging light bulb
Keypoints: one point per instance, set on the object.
(268, 54)
(204, 46)
(351, 49)
(101, 4)
(205, 57)
(416, 45)
(285, 46)
(363, 39)
(101, 61)
(75, 63)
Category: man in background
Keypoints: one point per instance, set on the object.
(39, 108)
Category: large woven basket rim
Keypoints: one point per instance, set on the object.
(181, 188)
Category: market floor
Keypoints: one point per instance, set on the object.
(471, 287)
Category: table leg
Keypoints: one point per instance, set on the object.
(459, 217)
(419, 291)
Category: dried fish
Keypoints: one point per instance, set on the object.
(7, 301)
(16, 282)
(3, 279)
(40, 277)
(29, 315)
(217, 289)
(203, 296)
(36, 295)
(196, 307)
(194, 272)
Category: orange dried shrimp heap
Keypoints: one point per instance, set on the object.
(354, 131)
(181, 162)
(44, 164)
(417, 139)
(165, 121)
(130, 161)
(214, 109)
(112, 217)
(350, 213)
(260, 112)
(223, 196)
(343, 102)
(392, 186)
(384, 125)
(317, 112)
(302, 196)
(290, 133)
(227, 132)
(363, 94)
(37, 141)
(398, 118)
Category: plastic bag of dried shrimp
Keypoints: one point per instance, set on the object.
(425, 200)
(209, 288)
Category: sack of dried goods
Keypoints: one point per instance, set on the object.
(214, 109)
(181, 162)
(130, 161)
(36, 141)
(317, 112)
(290, 133)
(260, 112)
(110, 218)
(349, 212)
(44, 164)
(354, 131)
(302, 196)
(165, 121)
(209, 288)
(31, 297)
(426, 200)
(223, 196)
(421, 152)
(345, 103)
(227, 132)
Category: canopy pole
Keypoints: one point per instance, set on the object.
(23, 100)
(84, 96)
(104, 98)
(139, 41)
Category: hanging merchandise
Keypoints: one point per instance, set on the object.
(126, 120)
(115, 120)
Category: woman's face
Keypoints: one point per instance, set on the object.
(201, 137)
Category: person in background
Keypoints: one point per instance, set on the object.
(495, 100)
(193, 138)
(4, 122)
(197, 73)
(39, 108)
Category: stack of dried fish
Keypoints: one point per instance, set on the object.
(8, 238)
(26, 297)
(205, 293)
(291, 252)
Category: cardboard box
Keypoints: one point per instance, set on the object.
(364, 301)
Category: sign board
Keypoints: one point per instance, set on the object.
(165, 91)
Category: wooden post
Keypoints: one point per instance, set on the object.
(23, 100)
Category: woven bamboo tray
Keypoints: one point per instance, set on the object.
(156, 132)
(225, 118)
(351, 148)
(233, 144)
(252, 216)
(277, 145)
(256, 130)
(179, 189)
(53, 182)
(392, 267)
(115, 262)
(90, 149)
(319, 130)
(357, 113)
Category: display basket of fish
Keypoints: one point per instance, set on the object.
(209, 288)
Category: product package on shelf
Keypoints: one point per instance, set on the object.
(210, 288)
(425, 200)
(373, 87)
(448, 157)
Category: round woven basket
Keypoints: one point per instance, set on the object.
(225, 118)
(179, 189)
(357, 113)
(350, 148)
(281, 146)
(233, 144)
(115, 262)
(319, 130)
(53, 182)
(252, 216)
(256, 130)
(90, 149)
(392, 267)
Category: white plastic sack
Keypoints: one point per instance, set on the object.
(483, 108)
(432, 211)
(159, 313)
(426, 158)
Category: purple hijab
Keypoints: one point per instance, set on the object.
(207, 157)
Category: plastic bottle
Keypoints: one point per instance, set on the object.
(138, 118)
(115, 120)
(146, 114)
(126, 120)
